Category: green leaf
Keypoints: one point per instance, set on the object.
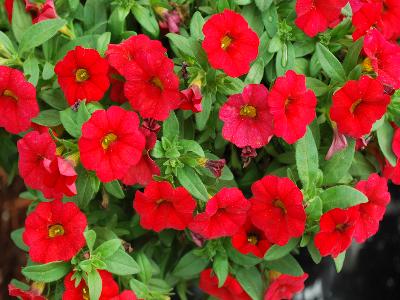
(330, 64)
(146, 19)
(108, 248)
(339, 261)
(181, 43)
(351, 59)
(196, 26)
(54, 98)
(221, 268)
(287, 265)
(121, 263)
(314, 208)
(203, 116)
(102, 42)
(48, 272)
(314, 253)
(39, 33)
(21, 20)
(6, 43)
(95, 16)
(307, 159)
(90, 237)
(171, 127)
(48, 71)
(146, 267)
(338, 166)
(341, 196)
(317, 86)
(251, 281)
(385, 135)
(192, 182)
(94, 285)
(117, 20)
(192, 146)
(271, 20)
(263, 5)
(73, 121)
(31, 68)
(190, 265)
(16, 237)
(87, 185)
(256, 72)
(115, 189)
(277, 252)
(48, 117)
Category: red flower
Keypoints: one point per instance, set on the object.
(59, 180)
(125, 295)
(142, 172)
(285, 287)
(292, 106)
(225, 213)
(389, 22)
(152, 87)
(366, 17)
(396, 143)
(383, 58)
(375, 188)
(230, 44)
(247, 119)
(18, 104)
(250, 239)
(191, 99)
(120, 55)
(231, 290)
(81, 291)
(392, 173)
(24, 295)
(336, 231)
(161, 206)
(111, 143)
(83, 75)
(41, 11)
(8, 6)
(33, 149)
(117, 87)
(54, 231)
(315, 16)
(357, 105)
(277, 209)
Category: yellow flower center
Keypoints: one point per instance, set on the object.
(367, 65)
(278, 203)
(226, 41)
(341, 227)
(157, 82)
(82, 75)
(355, 105)
(108, 140)
(160, 201)
(10, 94)
(56, 230)
(248, 111)
(85, 293)
(252, 239)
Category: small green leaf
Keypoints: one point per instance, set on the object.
(277, 252)
(263, 5)
(256, 72)
(73, 121)
(287, 265)
(48, 272)
(90, 237)
(339, 261)
(192, 182)
(307, 159)
(181, 43)
(6, 43)
(330, 64)
(108, 248)
(16, 237)
(146, 19)
(196, 26)
(115, 189)
(341, 196)
(21, 20)
(203, 116)
(48, 117)
(48, 71)
(94, 284)
(121, 263)
(314, 253)
(385, 135)
(87, 185)
(31, 69)
(102, 42)
(251, 281)
(221, 268)
(190, 265)
(317, 86)
(171, 127)
(351, 59)
(54, 98)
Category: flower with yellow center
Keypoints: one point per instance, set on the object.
(226, 41)
(82, 75)
(157, 82)
(252, 239)
(56, 230)
(108, 140)
(248, 111)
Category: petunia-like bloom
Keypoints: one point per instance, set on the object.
(111, 143)
(59, 180)
(54, 231)
(292, 106)
(231, 290)
(336, 231)
(247, 118)
(24, 295)
(315, 16)
(33, 149)
(366, 17)
(277, 209)
(396, 143)
(371, 212)
(161, 206)
(230, 44)
(358, 105)
(383, 57)
(120, 55)
(390, 15)
(191, 99)
(250, 239)
(143, 172)
(83, 75)
(72, 291)
(392, 172)
(285, 287)
(41, 11)
(225, 213)
(18, 104)
(152, 87)
(125, 295)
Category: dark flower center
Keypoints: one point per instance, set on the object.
(160, 201)
(157, 82)
(252, 238)
(108, 140)
(341, 227)
(8, 93)
(82, 75)
(226, 41)
(248, 111)
(56, 230)
(279, 204)
(355, 105)
(85, 293)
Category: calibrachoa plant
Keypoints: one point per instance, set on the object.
(167, 145)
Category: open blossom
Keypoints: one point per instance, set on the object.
(191, 99)
(230, 44)
(250, 239)
(111, 143)
(231, 290)
(225, 213)
(247, 118)
(83, 75)
(152, 87)
(18, 104)
(315, 16)
(54, 231)
(366, 17)
(292, 106)
(336, 231)
(358, 105)
(285, 287)
(161, 206)
(383, 57)
(371, 212)
(277, 209)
